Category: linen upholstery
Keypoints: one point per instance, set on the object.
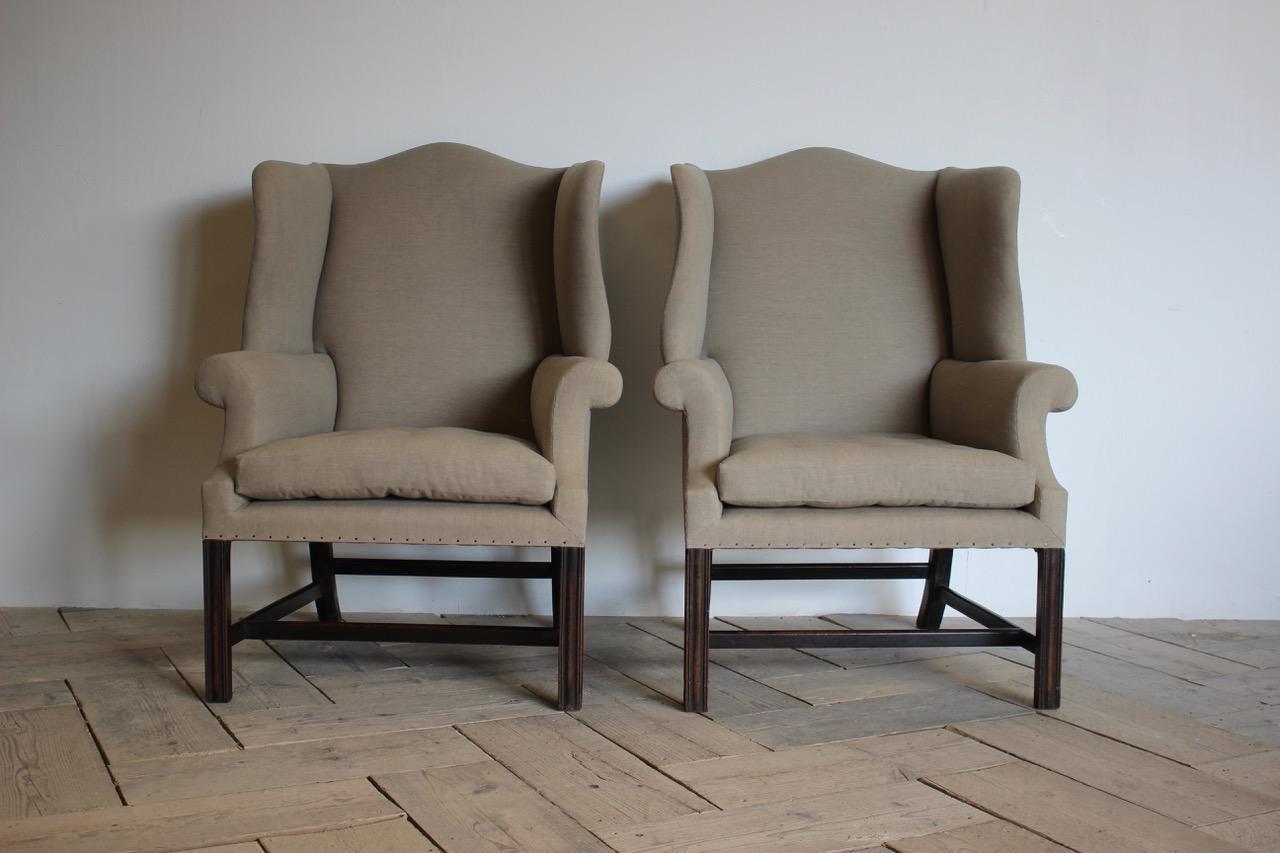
(870, 469)
(434, 463)
(826, 303)
(422, 291)
(822, 293)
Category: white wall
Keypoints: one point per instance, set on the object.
(1146, 134)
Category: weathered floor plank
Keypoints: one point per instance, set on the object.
(292, 764)
(1073, 814)
(49, 764)
(995, 836)
(312, 658)
(30, 621)
(184, 824)
(903, 712)
(1260, 833)
(1258, 772)
(294, 725)
(260, 678)
(766, 777)
(872, 682)
(483, 807)
(34, 694)
(391, 836)
(150, 716)
(1183, 793)
(1171, 735)
(593, 780)
(842, 821)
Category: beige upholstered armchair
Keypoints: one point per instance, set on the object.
(424, 339)
(845, 340)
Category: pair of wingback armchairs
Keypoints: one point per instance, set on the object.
(426, 335)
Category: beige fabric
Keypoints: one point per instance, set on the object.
(291, 214)
(810, 295)
(1002, 406)
(445, 275)
(870, 469)
(699, 388)
(827, 306)
(437, 463)
(875, 527)
(440, 260)
(565, 390)
(388, 520)
(580, 295)
(685, 319)
(268, 396)
(978, 231)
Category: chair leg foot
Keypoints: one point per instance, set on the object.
(217, 620)
(569, 590)
(1049, 587)
(327, 607)
(937, 579)
(697, 627)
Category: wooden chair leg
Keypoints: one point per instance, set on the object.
(1048, 675)
(555, 599)
(937, 579)
(569, 624)
(697, 627)
(327, 607)
(217, 620)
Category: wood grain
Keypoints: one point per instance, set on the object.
(1163, 786)
(483, 807)
(1079, 817)
(842, 821)
(30, 621)
(50, 764)
(260, 678)
(392, 836)
(203, 821)
(292, 764)
(995, 836)
(34, 694)
(150, 716)
(828, 768)
(593, 780)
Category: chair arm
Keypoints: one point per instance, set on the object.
(699, 388)
(565, 390)
(1003, 406)
(269, 396)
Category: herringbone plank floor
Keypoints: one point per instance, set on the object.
(1168, 739)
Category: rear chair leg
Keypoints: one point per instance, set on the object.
(322, 573)
(936, 580)
(217, 620)
(697, 627)
(569, 590)
(1048, 675)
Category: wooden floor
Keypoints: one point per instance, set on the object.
(1168, 740)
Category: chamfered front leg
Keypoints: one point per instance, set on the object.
(697, 627)
(1051, 564)
(936, 580)
(217, 620)
(569, 590)
(327, 607)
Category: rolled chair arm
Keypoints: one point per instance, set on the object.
(269, 396)
(1003, 406)
(565, 390)
(700, 389)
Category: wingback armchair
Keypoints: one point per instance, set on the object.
(424, 338)
(845, 340)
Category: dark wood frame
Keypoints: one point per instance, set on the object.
(564, 569)
(1045, 643)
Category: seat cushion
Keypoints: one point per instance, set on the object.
(870, 469)
(438, 463)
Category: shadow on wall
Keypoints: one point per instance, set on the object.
(165, 441)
